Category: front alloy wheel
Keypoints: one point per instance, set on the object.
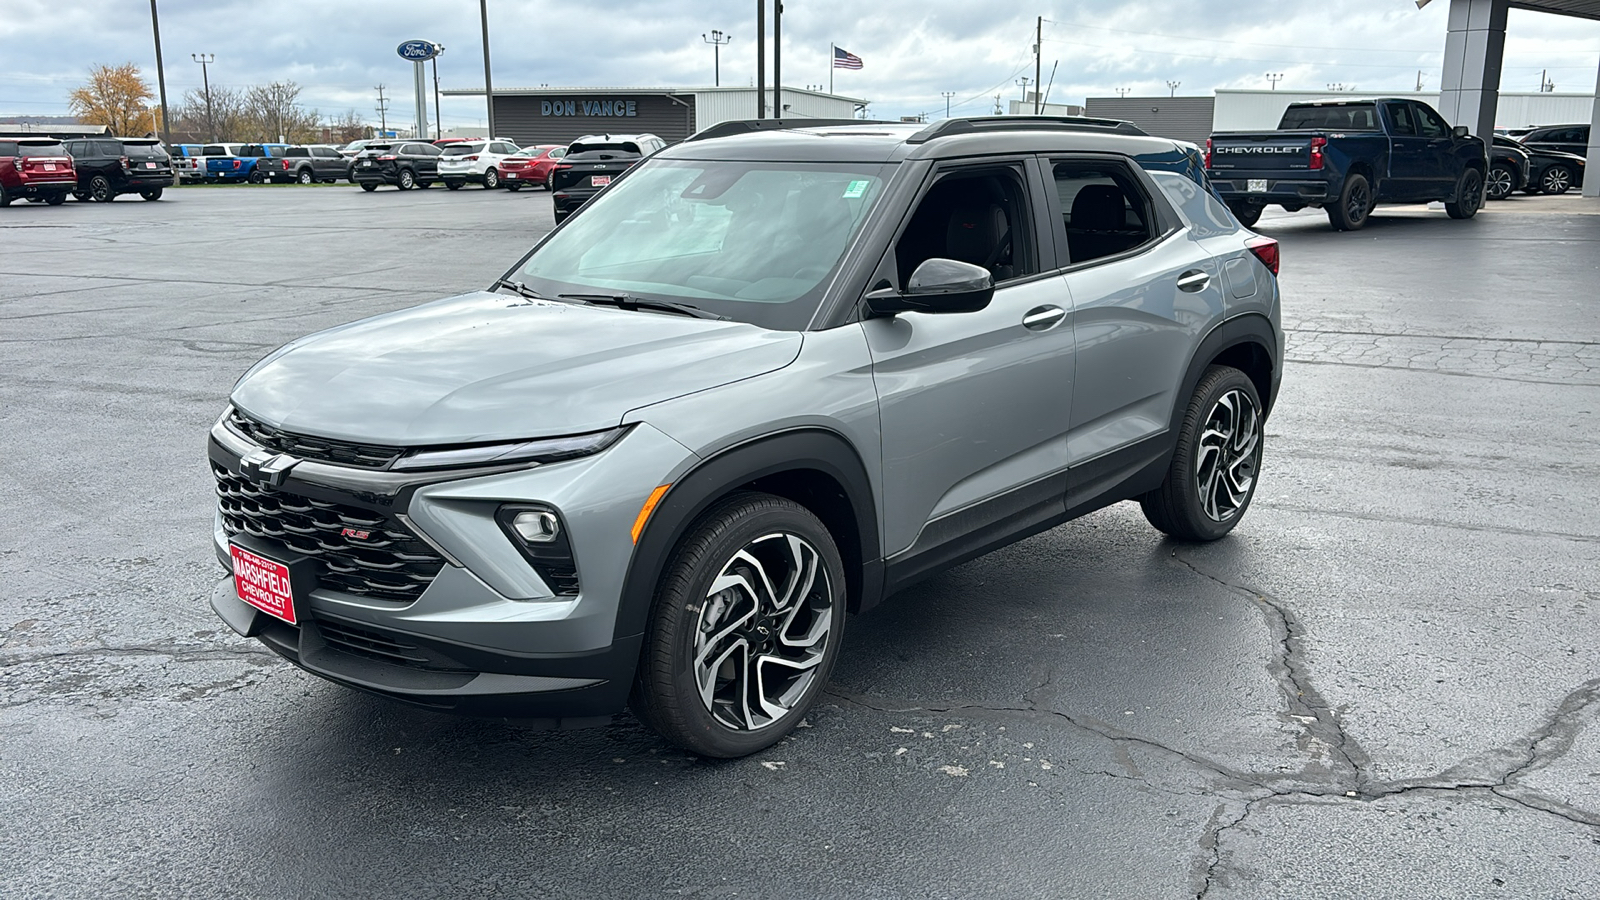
(1556, 180)
(745, 630)
(1216, 463)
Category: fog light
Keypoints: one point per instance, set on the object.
(537, 526)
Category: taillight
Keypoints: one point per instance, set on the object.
(563, 166)
(286, 165)
(387, 158)
(1317, 143)
(1208, 153)
(472, 158)
(237, 164)
(125, 166)
(1266, 250)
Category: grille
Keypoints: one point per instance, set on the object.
(390, 564)
(371, 644)
(368, 456)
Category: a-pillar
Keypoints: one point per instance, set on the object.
(1591, 186)
(1473, 50)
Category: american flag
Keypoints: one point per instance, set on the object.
(844, 59)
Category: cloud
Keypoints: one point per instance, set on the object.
(913, 49)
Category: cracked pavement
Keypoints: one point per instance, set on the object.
(1385, 683)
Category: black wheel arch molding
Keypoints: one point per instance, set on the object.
(776, 463)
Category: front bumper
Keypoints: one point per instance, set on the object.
(487, 636)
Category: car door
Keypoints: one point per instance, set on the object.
(1439, 153)
(1410, 166)
(973, 406)
(1144, 291)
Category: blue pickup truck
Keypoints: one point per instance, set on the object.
(1346, 157)
(239, 164)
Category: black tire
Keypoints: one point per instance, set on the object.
(1185, 507)
(369, 186)
(424, 184)
(453, 185)
(81, 196)
(255, 176)
(406, 180)
(1469, 196)
(151, 194)
(491, 179)
(561, 216)
(100, 190)
(56, 199)
(550, 181)
(1555, 180)
(1354, 206)
(1248, 214)
(304, 176)
(513, 188)
(1502, 183)
(744, 534)
(5, 196)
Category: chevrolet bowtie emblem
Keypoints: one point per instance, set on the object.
(266, 466)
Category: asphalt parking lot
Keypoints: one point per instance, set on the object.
(1385, 683)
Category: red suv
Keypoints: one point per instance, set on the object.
(35, 168)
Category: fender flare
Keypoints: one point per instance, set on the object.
(692, 493)
(1248, 328)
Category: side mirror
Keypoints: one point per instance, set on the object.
(1461, 131)
(937, 286)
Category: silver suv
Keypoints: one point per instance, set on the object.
(771, 375)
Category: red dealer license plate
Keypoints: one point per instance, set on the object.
(263, 583)
(599, 180)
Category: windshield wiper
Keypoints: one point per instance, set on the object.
(519, 287)
(630, 303)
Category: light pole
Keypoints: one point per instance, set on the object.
(205, 60)
(947, 95)
(488, 85)
(716, 39)
(1024, 82)
(1174, 85)
(438, 122)
(761, 59)
(1274, 77)
(1122, 92)
(161, 78)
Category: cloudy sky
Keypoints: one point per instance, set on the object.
(913, 49)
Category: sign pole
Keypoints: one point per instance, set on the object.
(420, 71)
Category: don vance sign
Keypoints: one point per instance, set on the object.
(614, 108)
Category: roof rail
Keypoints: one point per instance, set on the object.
(980, 124)
(745, 126)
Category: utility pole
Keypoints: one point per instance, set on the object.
(777, 59)
(1419, 80)
(761, 59)
(716, 40)
(1174, 85)
(488, 85)
(947, 95)
(1274, 77)
(161, 79)
(438, 121)
(383, 113)
(997, 110)
(1038, 39)
(205, 60)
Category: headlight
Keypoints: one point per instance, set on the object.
(544, 450)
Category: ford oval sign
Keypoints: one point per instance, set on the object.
(418, 51)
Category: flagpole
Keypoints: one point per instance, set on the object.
(831, 52)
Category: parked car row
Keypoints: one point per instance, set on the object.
(46, 170)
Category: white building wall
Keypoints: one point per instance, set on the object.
(713, 105)
(1258, 110)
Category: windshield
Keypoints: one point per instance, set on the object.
(756, 242)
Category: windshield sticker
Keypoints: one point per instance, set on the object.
(856, 190)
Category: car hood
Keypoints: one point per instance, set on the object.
(485, 367)
(1556, 154)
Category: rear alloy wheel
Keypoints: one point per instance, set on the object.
(1216, 463)
(1501, 183)
(151, 193)
(100, 190)
(305, 177)
(1555, 180)
(255, 176)
(491, 179)
(1354, 205)
(407, 180)
(745, 630)
(1469, 196)
(550, 181)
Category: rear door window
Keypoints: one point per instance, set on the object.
(1400, 119)
(1104, 210)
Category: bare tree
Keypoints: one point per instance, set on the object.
(347, 128)
(274, 113)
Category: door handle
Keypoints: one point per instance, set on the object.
(1193, 280)
(1043, 318)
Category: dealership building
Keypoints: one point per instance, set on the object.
(552, 115)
